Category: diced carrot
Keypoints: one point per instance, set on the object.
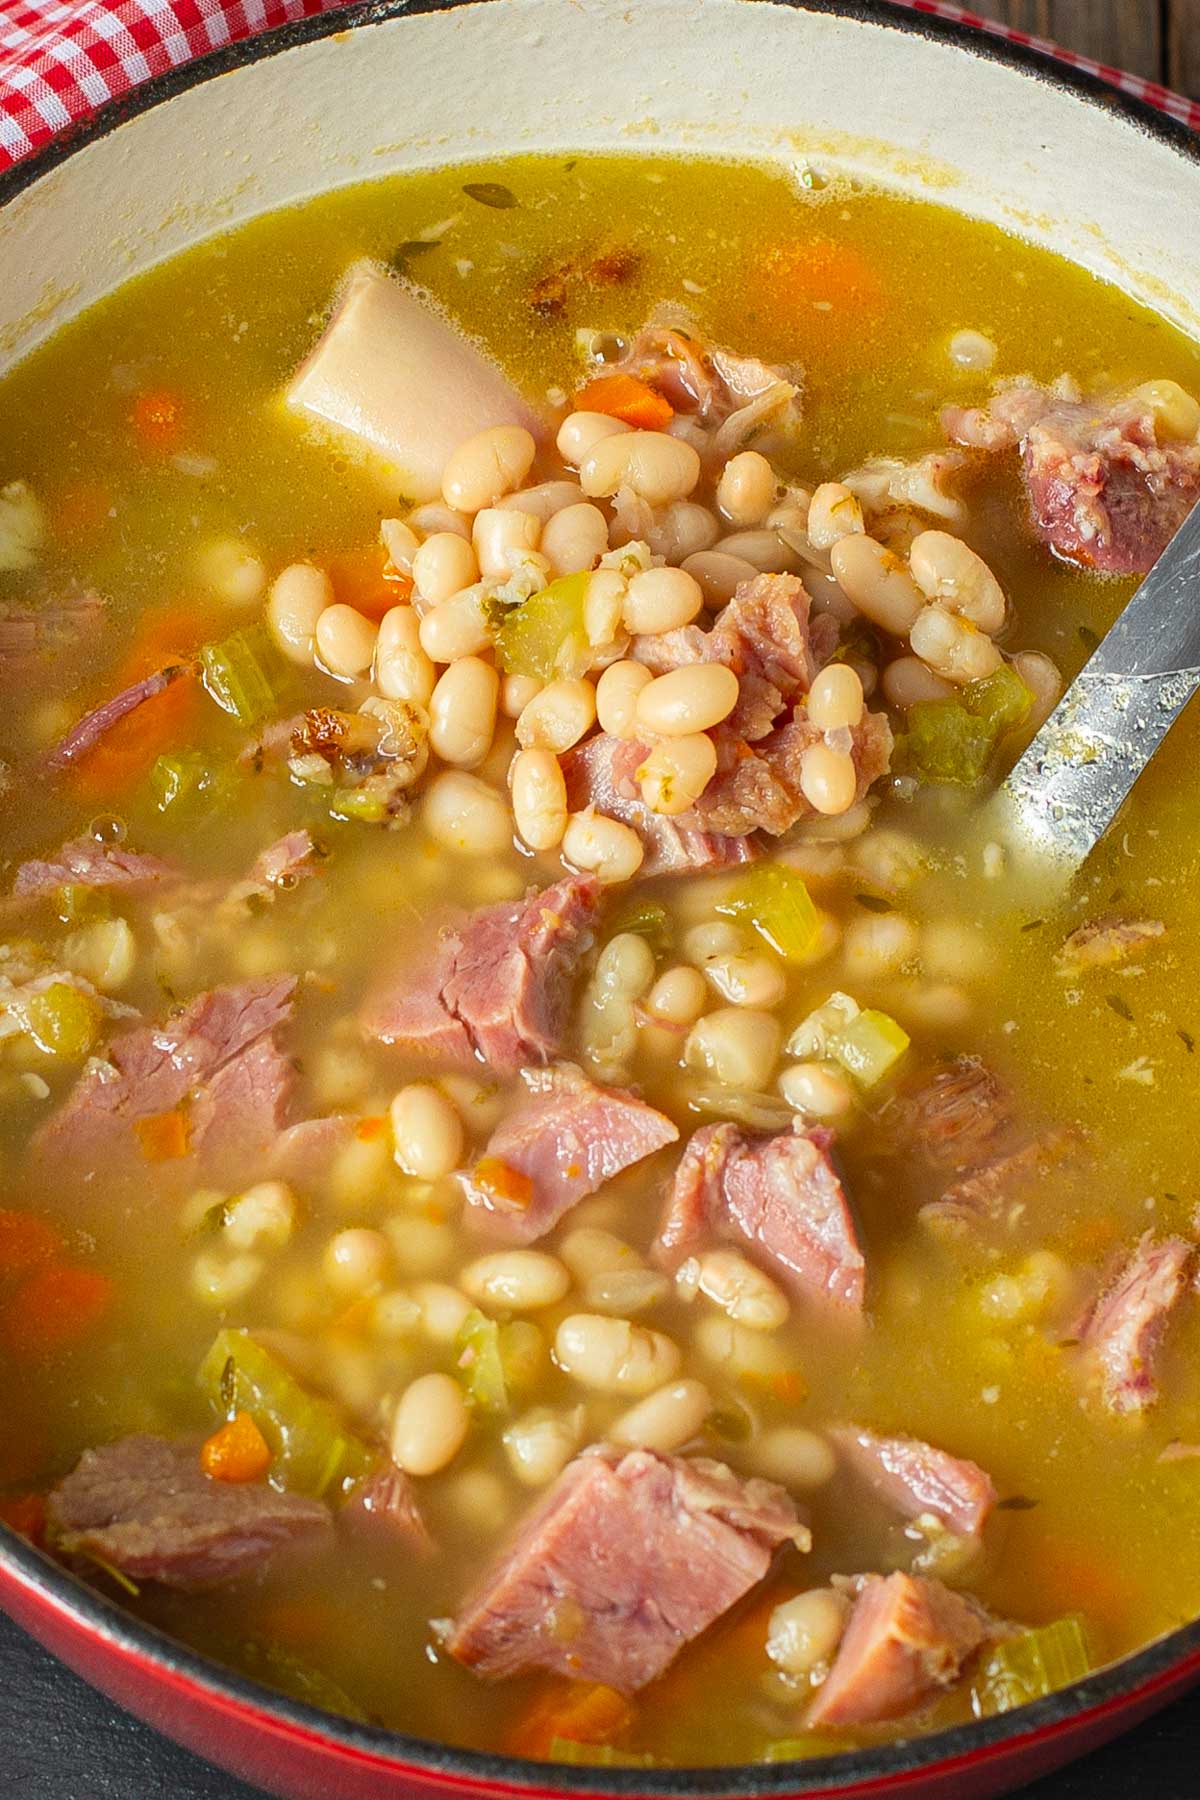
(155, 419)
(26, 1513)
(237, 1451)
(583, 1712)
(54, 1308)
(787, 1386)
(125, 752)
(163, 1136)
(370, 1128)
(627, 398)
(26, 1240)
(507, 1185)
(359, 581)
(833, 285)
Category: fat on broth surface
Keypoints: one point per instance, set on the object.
(152, 427)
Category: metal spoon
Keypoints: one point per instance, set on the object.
(1069, 785)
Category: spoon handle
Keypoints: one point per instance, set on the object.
(1067, 788)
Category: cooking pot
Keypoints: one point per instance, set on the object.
(897, 97)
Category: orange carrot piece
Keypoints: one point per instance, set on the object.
(359, 580)
(237, 1451)
(370, 1128)
(834, 285)
(628, 398)
(509, 1186)
(26, 1514)
(54, 1308)
(155, 419)
(125, 752)
(163, 1136)
(26, 1240)
(583, 1712)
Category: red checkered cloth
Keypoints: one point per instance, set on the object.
(61, 62)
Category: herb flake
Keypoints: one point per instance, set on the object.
(490, 193)
(1120, 1007)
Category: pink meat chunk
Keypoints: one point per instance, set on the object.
(602, 773)
(1105, 490)
(218, 1057)
(757, 786)
(958, 1116)
(908, 1639)
(384, 1507)
(620, 1566)
(1124, 1329)
(782, 1195)
(915, 1478)
(87, 732)
(145, 1506)
(497, 986)
(31, 640)
(85, 862)
(563, 1142)
(281, 865)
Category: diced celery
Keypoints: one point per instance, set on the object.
(312, 1451)
(22, 526)
(546, 635)
(186, 775)
(367, 805)
(74, 903)
(808, 1744)
(1023, 1668)
(495, 1359)
(606, 1756)
(62, 1020)
(649, 920)
(953, 740)
(291, 1675)
(774, 899)
(814, 1036)
(869, 1046)
(244, 674)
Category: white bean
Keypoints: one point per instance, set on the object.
(456, 627)
(828, 779)
(953, 647)
(430, 1426)
(356, 1260)
(617, 693)
(491, 463)
(582, 431)
(462, 712)
(716, 937)
(426, 1131)
(878, 944)
(465, 815)
(765, 550)
(796, 1457)
(950, 572)
(736, 1044)
(833, 513)
(298, 597)
(558, 716)
(746, 490)
(681, 530)
(665, 1419)
(105, 952)
(907, 682)
(232, 571)
(732, 1282)
(676, 772)
(1176, 413)
(693, 698)
(678, 997)
(1044, 682)
(444, 565)
(263, 1217)
(719, 574)
(544, 501)
(817, 1092)
(435, 515)
(804, 1633)
(661, 600)
(588, 1251)
(602, 846)
(518, 1280)
(877, 582)
(443, 1310)
(502, 538)
(402, 669)
(613, 1355)
(747, 978)
(516, 691)
(345, 641)
(401, 543)
(539, 798)
(835, 700)
(575, 539)
(656, 467)
(541, 1443)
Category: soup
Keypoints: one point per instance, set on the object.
(556, 1166)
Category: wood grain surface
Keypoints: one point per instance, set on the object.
(1159, 39)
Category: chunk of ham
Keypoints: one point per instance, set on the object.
(85, 862)
(958, 1116)
(87, 732)
(289, 860)
(1122, 1332)
(915, 1478)
(144, 1506)
(496, 986)
(384, 1507)
(622, 1564)
(908, 1639)
(602, 773)
(216, 1062)
(1108, 942)
(1106, 490)
(741, 399)
(392, 372)
(561, 1143)
(34, 638)
(757, 786)
(781, 1195)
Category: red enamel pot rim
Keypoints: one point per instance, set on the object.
(1087, 1710)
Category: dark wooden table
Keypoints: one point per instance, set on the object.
(61, 1741)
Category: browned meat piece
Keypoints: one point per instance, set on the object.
(1107, 942)
(85, 862)
(563, 1142)
(145, 1506)
(620, 1566)
(917, 1478)
(739, 397)
(602, 773)
(757, 786)
(30, 639)
(985, 1192)
(217, 1058)
(908, 1638)
(1124, 1328)
(782, 1195)
(496, 986)
(1105, 491)
(958, 1116)
(385, 1505)
(86, 734)
(281, 865)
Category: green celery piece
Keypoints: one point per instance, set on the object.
(1001, 698)
(62, 1020)
(544, 636)
(649, 920)
(243, 674)
(808, 1744)
(364, 804)
(74, 903)
(606, 1756)
(495, 1358)
(953, 740)
(870, 1046)
(312, 1451)
(291, 1675)
(774, 899)
(1037, 1662)
(185, 775)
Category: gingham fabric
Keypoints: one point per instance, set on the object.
(61, 60)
